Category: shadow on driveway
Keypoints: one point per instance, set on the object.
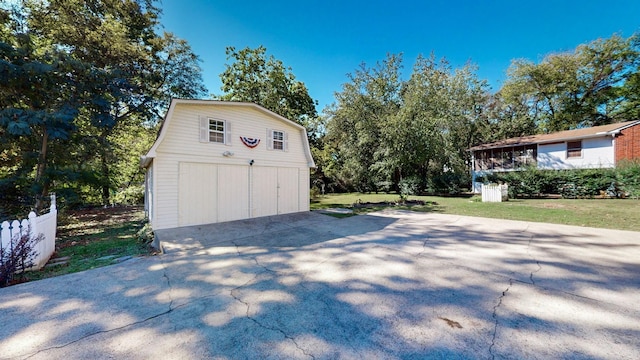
(390, 285)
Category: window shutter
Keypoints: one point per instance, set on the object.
(204, 129)
(227, 133)
(285, 141)
(269, 139)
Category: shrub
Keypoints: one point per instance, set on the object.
(18, 257)
(583, 183)
(409, 186)
(628, 178)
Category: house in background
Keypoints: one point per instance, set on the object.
(216, 161)
(595, 147)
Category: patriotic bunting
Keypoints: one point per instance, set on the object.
(250, 142)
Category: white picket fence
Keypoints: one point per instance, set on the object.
(495, 193)
(44, 224)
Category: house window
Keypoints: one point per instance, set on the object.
(278, 140)
(216, 131)
(574, 149)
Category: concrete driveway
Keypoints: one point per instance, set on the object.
(390, 285)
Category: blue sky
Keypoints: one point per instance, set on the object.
(323, 41)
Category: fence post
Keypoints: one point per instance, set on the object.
(33, 226)
(53, 206)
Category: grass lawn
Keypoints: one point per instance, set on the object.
(95, 237)
(623, 214)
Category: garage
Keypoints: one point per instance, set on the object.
(217, 161)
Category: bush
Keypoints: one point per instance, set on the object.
(584, 183)
(18, 257)
(628, 178)
(448, 183)
(409, 186)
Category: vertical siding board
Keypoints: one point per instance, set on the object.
(264, 191)
(303, 188)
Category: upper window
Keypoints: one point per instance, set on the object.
(278, 140)
(216, 131)
(574, 149)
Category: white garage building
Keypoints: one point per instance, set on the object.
(216, 161)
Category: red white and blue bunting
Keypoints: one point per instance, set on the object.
(250, 142)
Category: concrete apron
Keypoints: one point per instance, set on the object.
(388, 285)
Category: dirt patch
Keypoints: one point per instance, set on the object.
(89, 225)
(552, 206)
(368, 205)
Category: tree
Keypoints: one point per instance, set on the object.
(428, 138)
(363, 108)
(586, 87)
(77, 72)
(253, 77)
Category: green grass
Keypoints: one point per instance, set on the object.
(94, 238)
(623, 214)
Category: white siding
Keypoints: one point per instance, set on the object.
(596, 153)
(182, 136)
(304, 186)
(179, 201)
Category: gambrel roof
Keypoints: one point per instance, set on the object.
(146, 159)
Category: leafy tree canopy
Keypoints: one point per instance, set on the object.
(593, 85)
(253, 77)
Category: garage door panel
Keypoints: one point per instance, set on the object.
(197, 194)
(264, 201)
(233, 192)
(288, 190)
(210, 193)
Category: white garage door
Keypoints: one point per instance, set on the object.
(210, 193)
(287, 190)
(197, 184)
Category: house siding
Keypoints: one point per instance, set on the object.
(596, 153)
(181, 150)
(183, 136)
(627, 144)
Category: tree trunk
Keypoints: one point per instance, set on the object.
(106, 176)
(40, 171)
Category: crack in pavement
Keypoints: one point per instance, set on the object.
(424, 245)
(259, 323)
(169, 310)
(536, 260)
(254, 258)
(495, 317)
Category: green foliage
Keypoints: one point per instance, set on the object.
(409, 186)
(628, 178)
(594, 85)
(253, 77)
(364, 108)
(623, 181)
(103, 77)
(17, 257)
(383, 129)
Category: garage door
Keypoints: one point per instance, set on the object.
(210, 193)
(197, 184)
(274, 191)
(287, 190)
